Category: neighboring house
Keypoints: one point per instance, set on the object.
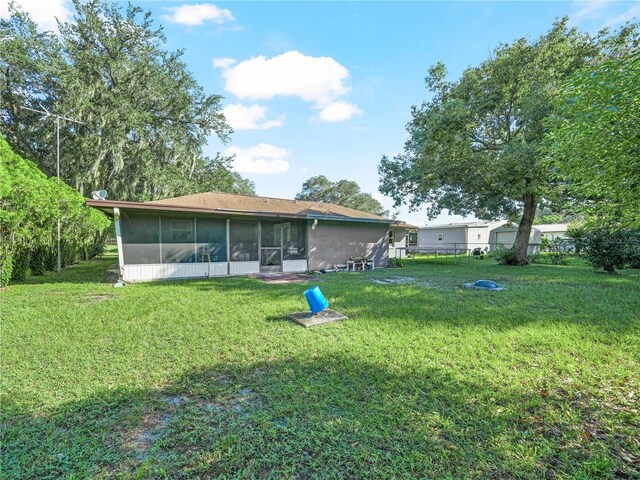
(468, 236)
(402, 236)
(553, 230)
(212, 234)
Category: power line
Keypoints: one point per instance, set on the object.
(46, 114)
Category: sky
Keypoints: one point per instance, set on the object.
(326, 88)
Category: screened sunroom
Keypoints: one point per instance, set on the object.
(213, 234)
(176, 245)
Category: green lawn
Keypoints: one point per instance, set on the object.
(206, 379)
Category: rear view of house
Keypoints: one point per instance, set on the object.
(213, 234)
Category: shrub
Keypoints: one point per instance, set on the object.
(576, 234)
(558, 251)
(504, 256)
(6, 269)
(605, 249)
(633, 248)
(20, 264)
(396, 263)
(30, 206)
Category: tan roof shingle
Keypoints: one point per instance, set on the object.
(246, 204)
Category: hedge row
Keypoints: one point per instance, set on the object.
(30, 205)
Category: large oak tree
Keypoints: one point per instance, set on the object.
(145, 117)
(474, 146)
(343, 192)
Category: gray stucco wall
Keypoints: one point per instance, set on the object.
(332, 243)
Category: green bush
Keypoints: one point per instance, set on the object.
(605, 249)
(6, 269)
(504, 256)
(396, 263)
(557, 251)
(30, 206)
(20, 264)
(633, 248)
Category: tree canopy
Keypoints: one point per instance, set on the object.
(593, 139)
(145, 117)
(474, 146)
(343, 192)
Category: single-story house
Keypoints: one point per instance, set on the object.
(468, 236)
(553, 230)
(402, 235)
(213, 234)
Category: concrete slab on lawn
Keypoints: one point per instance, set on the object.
(307, 319)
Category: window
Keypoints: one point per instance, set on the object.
(294, 240)
(211, 239)
(140, 238)
(391, 243)
(178, 240)
(413, 239)
(243, 239)
(440, 237)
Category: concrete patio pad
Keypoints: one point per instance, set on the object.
(307, 319)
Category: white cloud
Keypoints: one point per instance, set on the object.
(629, 14)
(261, 159)
(321, 81)
(585, 10)
(606, 13)
(196, 14)
(253, 117)
(44, 13)
(224, 62)
(339, 112)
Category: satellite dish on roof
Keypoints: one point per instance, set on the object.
(99, 194)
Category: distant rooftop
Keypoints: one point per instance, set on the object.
(467, 224)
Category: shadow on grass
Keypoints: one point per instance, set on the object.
(91, 271)
(327, 417)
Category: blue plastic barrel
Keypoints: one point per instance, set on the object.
(316, 300)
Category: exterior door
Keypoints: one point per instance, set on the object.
(270, 247)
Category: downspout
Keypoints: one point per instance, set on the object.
(116, 218)
(228, 249)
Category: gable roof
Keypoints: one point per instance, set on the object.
(246, 205)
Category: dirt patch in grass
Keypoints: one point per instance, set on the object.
(97, 298)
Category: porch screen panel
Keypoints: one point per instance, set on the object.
(243, 239)
(140, 238)
(178, 240)
(211, 236)
(294, 240)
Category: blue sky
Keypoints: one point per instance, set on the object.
(326, 87)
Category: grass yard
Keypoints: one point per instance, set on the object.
(206, 379)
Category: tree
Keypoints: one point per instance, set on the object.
(474, 147)
(343, 192)
(593, 140)
(145, 116)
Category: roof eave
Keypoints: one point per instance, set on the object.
(107, 205)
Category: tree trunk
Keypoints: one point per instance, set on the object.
(521, 244)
